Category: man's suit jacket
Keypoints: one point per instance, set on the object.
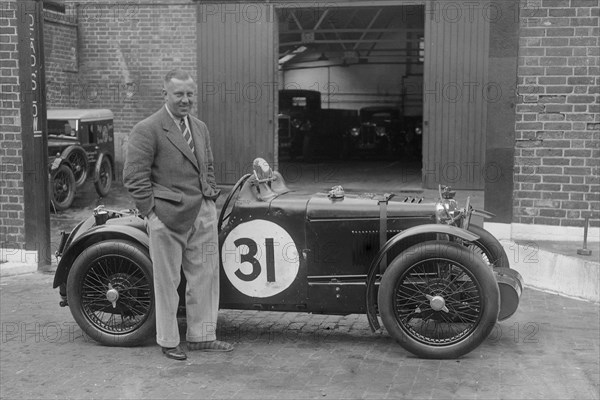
(163, 174)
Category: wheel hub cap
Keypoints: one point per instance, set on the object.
(112, 295)
(437, 303)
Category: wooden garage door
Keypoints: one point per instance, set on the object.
(237, 84)
(456, 93)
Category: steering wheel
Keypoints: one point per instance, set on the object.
(226, 211)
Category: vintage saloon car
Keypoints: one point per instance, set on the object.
(384, 131)
(80, 147)
(378, 132)
(297, 120)
(437, 280)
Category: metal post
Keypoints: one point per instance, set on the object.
(585, 251)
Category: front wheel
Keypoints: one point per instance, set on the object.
(62, 187)
(488, 248)
(438, 300)
(110, 293)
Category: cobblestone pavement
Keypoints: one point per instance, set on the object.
(549, 349)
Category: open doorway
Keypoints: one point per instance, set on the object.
(351, 86)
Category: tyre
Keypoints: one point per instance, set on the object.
(110, 293)
(488, 248)
(62, 187)
(438, 300)
(104, 179)
(78, 160)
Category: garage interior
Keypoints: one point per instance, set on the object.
(356, 58)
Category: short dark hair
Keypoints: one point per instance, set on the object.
(177, 74)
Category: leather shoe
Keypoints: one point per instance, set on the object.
(176, 353)
(212, 345)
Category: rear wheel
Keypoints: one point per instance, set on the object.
(110, 293)
(104, 179)
(62, 187)
(438, 300)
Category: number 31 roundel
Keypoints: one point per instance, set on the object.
(260, 258)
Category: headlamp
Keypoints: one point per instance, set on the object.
(446, 211)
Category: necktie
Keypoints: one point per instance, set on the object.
(186, 133)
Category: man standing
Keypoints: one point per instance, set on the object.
(169, 173)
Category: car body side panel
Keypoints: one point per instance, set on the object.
(341, 252)
(335, 242)
(245, 283)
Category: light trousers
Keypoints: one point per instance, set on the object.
(197, 253)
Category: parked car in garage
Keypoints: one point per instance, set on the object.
(378, 132)
(382, 131)
(298, 120)
(80, 148)
(308, 131)
(428, 270)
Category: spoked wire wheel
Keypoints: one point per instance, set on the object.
(438, 299)
(437, 302)
(110, 293)
(104, 178)
(78, 160)
(62, 187)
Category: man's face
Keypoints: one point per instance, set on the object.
(179, 96)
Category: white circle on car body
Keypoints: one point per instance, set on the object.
(260, 258)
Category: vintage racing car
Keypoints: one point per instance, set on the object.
(437, 280)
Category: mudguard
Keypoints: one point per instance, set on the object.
(58, 161)
(95, 235)
(371, 295)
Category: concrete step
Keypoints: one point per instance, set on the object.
(553, 271)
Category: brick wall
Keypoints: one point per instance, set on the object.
(61, 49)
(12, 225)
(125, 51)
(558, 125)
